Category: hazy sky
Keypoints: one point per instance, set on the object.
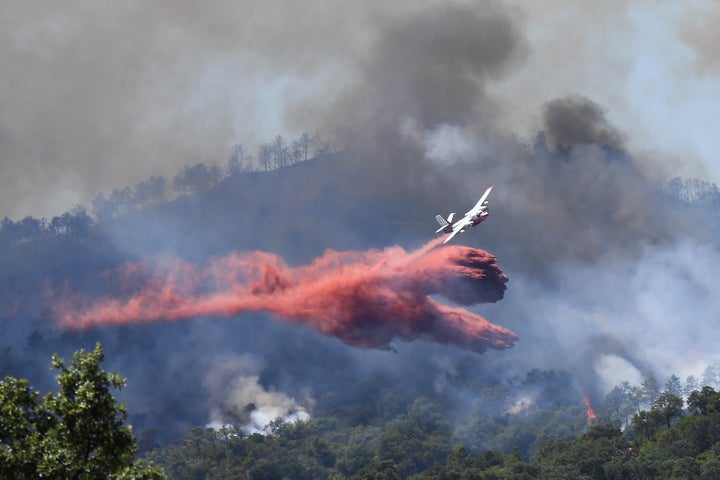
(99, 95)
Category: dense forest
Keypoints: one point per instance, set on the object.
(664, 442)
(81, 433)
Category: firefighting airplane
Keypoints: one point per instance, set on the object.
(473, 217)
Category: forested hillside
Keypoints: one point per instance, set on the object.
(412, 407)
(664, 442)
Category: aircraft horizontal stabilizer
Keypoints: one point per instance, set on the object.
(443, 223)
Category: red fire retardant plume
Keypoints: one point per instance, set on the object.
(366, 299)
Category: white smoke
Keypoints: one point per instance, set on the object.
(630, 318)
(448, 143)
(444, 144)
(238, 398)
(613, 369)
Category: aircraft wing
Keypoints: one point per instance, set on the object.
(449, 237)
(458, 227)
(481, 201)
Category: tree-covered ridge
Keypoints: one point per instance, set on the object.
(546, 439)
(80, 432)
(664, 442)
(421, 444)
(419, 440)
(156, 190)
(278, 153)
(388, 427)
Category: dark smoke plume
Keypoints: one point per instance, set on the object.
(366, 299)
(431, 66)
(576, 120)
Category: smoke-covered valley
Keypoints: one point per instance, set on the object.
(610, 265)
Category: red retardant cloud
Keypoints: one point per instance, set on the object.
(366, 299)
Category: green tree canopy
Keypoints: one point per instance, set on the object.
(704, 401)
(78, 433)
(669, 405)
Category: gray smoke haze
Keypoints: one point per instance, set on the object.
(601, 265)
(573, 121)
(431, 66)
(698, 30)
(576, 217)
(96, 97)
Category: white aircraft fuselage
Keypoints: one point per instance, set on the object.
(472, 218)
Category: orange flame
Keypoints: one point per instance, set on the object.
(590, 412)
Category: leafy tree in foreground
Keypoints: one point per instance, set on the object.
(79, 433)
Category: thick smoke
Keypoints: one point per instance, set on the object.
(572, 198)
(150, 88)
(430, 67)
(699, 33)
(572, 121)
(366, 299)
